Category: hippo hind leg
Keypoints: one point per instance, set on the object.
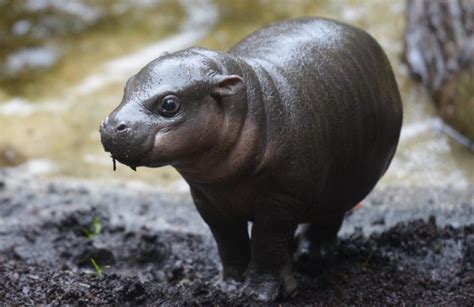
(316, 243)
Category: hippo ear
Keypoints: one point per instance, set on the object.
(228, 85)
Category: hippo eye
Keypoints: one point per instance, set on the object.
(169, 106)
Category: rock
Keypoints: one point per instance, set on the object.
(10, 156)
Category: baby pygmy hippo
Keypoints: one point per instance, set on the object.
(295, 124)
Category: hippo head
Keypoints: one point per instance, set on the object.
(172, 111)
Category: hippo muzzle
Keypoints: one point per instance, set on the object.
(127, 141)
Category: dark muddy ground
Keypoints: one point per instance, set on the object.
(154, 249)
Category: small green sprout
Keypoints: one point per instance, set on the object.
(95, 229)
(97, 268)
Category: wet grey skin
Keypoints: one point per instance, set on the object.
(295, 124)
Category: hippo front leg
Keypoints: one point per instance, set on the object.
(270, 273)
(232, 241)
(234, 250)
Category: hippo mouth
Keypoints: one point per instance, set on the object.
(126, 157)
(139, 154)
(114, 164)
(133, 165)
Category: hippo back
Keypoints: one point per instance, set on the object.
(336, 110)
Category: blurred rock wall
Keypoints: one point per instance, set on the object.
(439, 50)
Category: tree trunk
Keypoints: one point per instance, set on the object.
(439, 50)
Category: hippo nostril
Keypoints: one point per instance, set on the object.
(104, 122)
(121, 127)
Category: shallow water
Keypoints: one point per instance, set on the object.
(49, 124)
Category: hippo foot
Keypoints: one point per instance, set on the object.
(228, 284)
(267, 287)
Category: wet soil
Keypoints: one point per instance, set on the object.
(153, 249)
